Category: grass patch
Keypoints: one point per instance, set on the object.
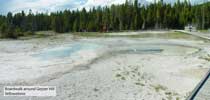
(122, 78)
(207, 58)
(40, 34)
(90, 34)
(141, 84)
(159, 88)
(177, 98)
(204, 31)
(96, 90)
(168, 93)
(169, 97)
(118, 75)
(169, 35)
(33, 36)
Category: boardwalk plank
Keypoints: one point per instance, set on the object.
(204, 93)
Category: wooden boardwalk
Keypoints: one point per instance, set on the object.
(204, 92)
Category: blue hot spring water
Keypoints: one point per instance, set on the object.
(65, 51)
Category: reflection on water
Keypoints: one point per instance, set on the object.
(165, 49)
(142, 51)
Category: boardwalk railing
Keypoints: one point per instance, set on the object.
(199, 86)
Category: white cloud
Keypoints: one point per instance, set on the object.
(103, 2)
(56, 5)
(41, 5)
(92, 3)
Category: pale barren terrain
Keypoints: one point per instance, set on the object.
(160, 67)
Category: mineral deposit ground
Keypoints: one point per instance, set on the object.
(142, 66)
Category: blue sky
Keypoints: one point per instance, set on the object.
(55, 5)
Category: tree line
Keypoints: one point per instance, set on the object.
(127, 16)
